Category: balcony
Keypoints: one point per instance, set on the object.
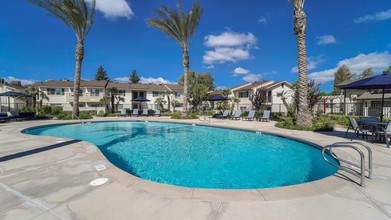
(85, 97)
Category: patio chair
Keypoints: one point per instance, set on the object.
(237, 115)
(14, 115)
(157, 113)
(135, 112)
(224, 115)
(145, 112)
(250, 116)
(356, 128)
(123, 112)
(4, 117)
(265, 116)
(385, 133)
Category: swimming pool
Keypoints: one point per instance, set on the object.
(199, 156)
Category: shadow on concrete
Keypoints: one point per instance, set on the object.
(38, 150)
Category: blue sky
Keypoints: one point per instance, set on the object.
(236, 41)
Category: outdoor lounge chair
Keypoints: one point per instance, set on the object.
(385, 133)
(14, 115)
(265, 116)
(145, 112)
(250, 116)
(157, 113)
(4, 117)
(356, 128)
(237, 115)
(123, 112)
(135, 112)
(224, 115)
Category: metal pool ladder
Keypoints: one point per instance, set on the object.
(358, 170)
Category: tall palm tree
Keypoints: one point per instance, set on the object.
(168, 94)
(76, 15)
(42, 96)
(180, 27)
(113, 92)
(300, 23)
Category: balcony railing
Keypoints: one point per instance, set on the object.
(85, 97)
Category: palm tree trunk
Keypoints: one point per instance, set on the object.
(303, 114)
(76, 84)
(169, 103)
(186, 64)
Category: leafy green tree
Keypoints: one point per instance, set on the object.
(101, 74)
(388, 71)
(174, 103)
(342, 74)
(76, 15)
(180, 27)
(160, 102)
(367, 73)
(199, 86)
(134, 78)
(258, 98)
(304, 116)
(234, 101)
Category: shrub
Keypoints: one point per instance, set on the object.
(27, 109)
(85, 115)
(277, 115)
(323, 123)
(45, 110)
(102, 114)
(179, 116)
(57, 110)
(64, 116)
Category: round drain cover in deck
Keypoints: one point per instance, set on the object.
(98, 182)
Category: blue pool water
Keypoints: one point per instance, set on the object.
(199, 156)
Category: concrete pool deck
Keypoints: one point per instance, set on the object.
(49, 178)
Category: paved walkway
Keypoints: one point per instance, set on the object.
(49, 178)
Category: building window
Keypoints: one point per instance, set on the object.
(80, 92)
(282, 85)
(94, 92)
(56, 91)
(135, 95)
(121, 92)
(157, 94)
(177, 94)
(243, 94)
(243, 108)
(269, 96)
(141, 94)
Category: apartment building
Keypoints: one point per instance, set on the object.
(91, 94)
(273, 101)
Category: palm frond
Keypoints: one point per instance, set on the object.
(176, 24)
(74, 13)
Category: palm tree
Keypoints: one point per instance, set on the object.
(168, 93)
(43, 96)
(180, 27)
(174, 103)
(76, 15)
(113, 92)
(160, 102)
(300, 22)
(119, 99)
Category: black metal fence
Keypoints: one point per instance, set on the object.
(358, 109)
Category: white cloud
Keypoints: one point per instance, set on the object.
(252, 77)
(262, 20)
(380, 16)
(226, 54)
(231, 39)
(326, 39)
(377, 61)
(114, 8)
(312, 63)
(240, 71)
(158, 80)
(148, 80)
(221, 87)
(23, 81)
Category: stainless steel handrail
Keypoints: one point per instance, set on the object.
(350, 170)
